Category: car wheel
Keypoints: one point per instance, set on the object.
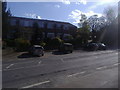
(71, 51)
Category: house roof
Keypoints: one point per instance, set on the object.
(43, 20)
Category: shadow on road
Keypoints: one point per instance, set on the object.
(25, 55)
(59, 53)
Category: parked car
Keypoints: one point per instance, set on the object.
(102, 46)
(95, 46)
(37, 50)
(91, 47)
(66, 47)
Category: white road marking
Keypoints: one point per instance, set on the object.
(9, 66)
(22, 68)
(116, 64)
(101, 67)
(39, 62)
(76, 74)
(20, 62)
(105, 82)
(96, 57)
(33, 85)
(62, 60)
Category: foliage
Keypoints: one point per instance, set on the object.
(37, 34)
(21, 44)
(55, 42)
(42, 44)
(83, 32)
(68, 38)
(5, 20)
(9, 42)
(91, 27)
(4, 44)
(110, 13)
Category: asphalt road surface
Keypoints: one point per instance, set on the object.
(80, 69)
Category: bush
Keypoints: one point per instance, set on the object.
(68, 38)
(21, 44)
(9, 43)
(4, 44)
(55, 42)
(42, 44)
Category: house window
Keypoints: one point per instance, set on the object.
(66, 28)
(40, 24)
(62, 27)
(13, 22)
(26, 23)
(50, 26)
(45, 25)
(50, 35)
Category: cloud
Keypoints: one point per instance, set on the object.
(66, 1)
(102, 2)
(76, 15)
(32, 15)
(76, 1)
(81, 1)
(57, 6)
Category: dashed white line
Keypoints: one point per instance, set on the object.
(62, 60)
(39, 62)
(9, 66)
(20, 63)
(76, 74)
(21, 68)
(96, 57)
(105, 82)
(101, 67)
(116, 64)
(36, 84)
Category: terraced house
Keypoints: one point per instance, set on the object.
(23, 27)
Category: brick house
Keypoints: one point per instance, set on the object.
(23, 27)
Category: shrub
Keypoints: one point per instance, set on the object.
(21, 44)
(55, 42)
(68, 38)
(9, 43)
(4, 44)
(42, 44)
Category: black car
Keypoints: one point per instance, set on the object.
(102, 46)
(95, 46)
(91, 47)
(66, 47)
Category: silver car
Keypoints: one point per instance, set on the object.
(37, 50)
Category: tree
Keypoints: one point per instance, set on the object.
(83, 31)
(37, 34)
(55, 43)
(45, 29)
(54, 26)
(62, 34)
(84, 34)
(5, 20)
(111, 35)
(110, 13)
(96, 24)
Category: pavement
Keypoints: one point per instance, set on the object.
(80, 69)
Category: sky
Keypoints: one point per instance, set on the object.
(64, 10)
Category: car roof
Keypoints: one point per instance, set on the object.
(67, 43)
(37, 46)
